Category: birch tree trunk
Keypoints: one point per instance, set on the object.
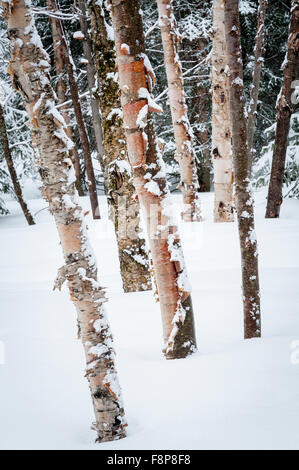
(284, 113)
(259, 52)
(179, 112)
(244, 198)
(61, 92)
(221, 125)
(92, 188)
(135, 79)
(121, 194)
(12, 171)
(29, 68)
(91, 79)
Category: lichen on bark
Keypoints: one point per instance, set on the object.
(122, 198)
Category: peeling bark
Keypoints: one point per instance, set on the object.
(29, 68)
(12, 171)
(179, 112)
(121, 194)
(61, 93)
(284, 113)
(221, 125)
(244, 198)
(92, 188)
(259, 52)
(135, 80)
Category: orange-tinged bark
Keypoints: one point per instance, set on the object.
(150, 182)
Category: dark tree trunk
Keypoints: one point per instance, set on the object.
(91, 79)
(284, 112)
(61, 93)
(12, 171)
(244, 199)
(92, 188)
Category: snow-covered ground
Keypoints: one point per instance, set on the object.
(232, 394)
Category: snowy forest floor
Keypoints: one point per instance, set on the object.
(232, 394)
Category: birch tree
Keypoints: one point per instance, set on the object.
(284, 113)
(29, 69)
(221, 125)
(68, 64)
(121, 194)
(259, 52)
(13, 174)
(182, 129)
(244, 198)
(135, 80)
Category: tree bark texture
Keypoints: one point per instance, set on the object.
(121, 194)
(244, 199)
(12, 171)
(259, 52)
(221, 125)
(61, 91)
(135, 81)
(179, 112)
(284, 113)
(29, 68)
(92, 188)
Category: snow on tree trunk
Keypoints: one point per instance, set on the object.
(61, 91)
(179, 112)
(29, 68)
(259, 52)
(91, 80)
(135, 80)
(12, 171)
(221, 126)
(244, 198)
(68, 64)
(284, 112)
(123, 203)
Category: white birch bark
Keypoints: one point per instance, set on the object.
(221, 125)
(29, 68)
(179, 112)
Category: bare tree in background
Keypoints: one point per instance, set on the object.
(244, 198)
(12, 171)
(61, 90)
(68, 64)
(284, 113)
(259, 52)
